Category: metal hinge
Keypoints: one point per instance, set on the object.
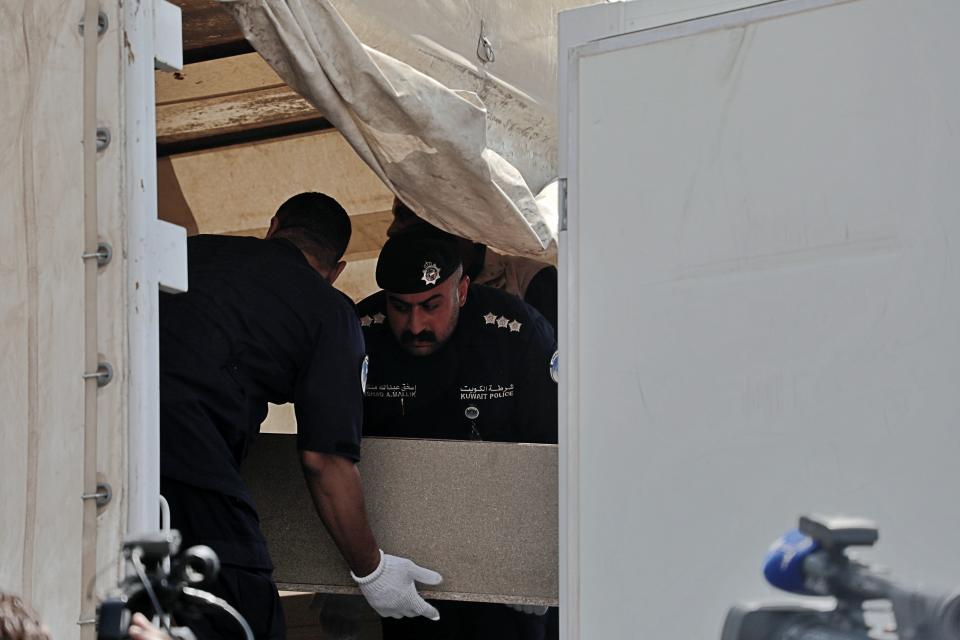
(562, 202)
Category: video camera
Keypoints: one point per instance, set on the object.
(163, 584)
(812, 560)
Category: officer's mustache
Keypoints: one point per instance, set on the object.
(408, 337)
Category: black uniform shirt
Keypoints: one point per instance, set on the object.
(258, 325)
(491, 381)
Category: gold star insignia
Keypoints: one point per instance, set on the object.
(365, 321)
(378, 318)
(502, 322)
(515, 326)
(490, 318)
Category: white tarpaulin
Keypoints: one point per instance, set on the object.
(463, 147)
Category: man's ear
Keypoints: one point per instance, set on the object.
(336, 271)
(463, 288)
(274, 223)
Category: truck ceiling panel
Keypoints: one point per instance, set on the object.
(240, 187)
(209, 31)
(227, 101)
(215, 78)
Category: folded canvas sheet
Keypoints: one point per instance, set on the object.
(467, 149)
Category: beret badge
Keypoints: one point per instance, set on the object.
(431, 273)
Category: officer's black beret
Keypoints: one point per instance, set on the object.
(417, 261)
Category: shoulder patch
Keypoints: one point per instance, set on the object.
(364, 370)
(555, 367)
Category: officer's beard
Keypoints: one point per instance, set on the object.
(409, 339)
(427, 343)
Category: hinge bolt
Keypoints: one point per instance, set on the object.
(103, 495)
(103, 374)
(103, 138)
(102, 23)
(103, 254)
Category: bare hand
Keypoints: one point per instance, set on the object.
(142, 629)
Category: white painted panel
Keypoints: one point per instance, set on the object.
(170, 247)
(41, 309)
(767, 303)
(167, 36)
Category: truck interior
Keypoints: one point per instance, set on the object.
(233, 142)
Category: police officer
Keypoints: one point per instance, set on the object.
(532, 281)
(453, 360)
(261, 323)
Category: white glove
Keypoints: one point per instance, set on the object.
(390, 589)
(532, 609)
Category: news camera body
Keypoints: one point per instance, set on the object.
(163, 584)
(812, 561)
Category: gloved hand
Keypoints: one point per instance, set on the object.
(532, 609)
(390, 589)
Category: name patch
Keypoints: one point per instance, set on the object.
(392, 390)
(486, 392)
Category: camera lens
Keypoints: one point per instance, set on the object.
(201, 565)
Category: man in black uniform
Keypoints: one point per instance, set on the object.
(453, 360)
(261, 323)
(532, 281)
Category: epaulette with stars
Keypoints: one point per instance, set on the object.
(375, 319)
(502, 322)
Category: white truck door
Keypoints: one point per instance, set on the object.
(761, 299)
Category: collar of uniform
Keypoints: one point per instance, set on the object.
(293, 249)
